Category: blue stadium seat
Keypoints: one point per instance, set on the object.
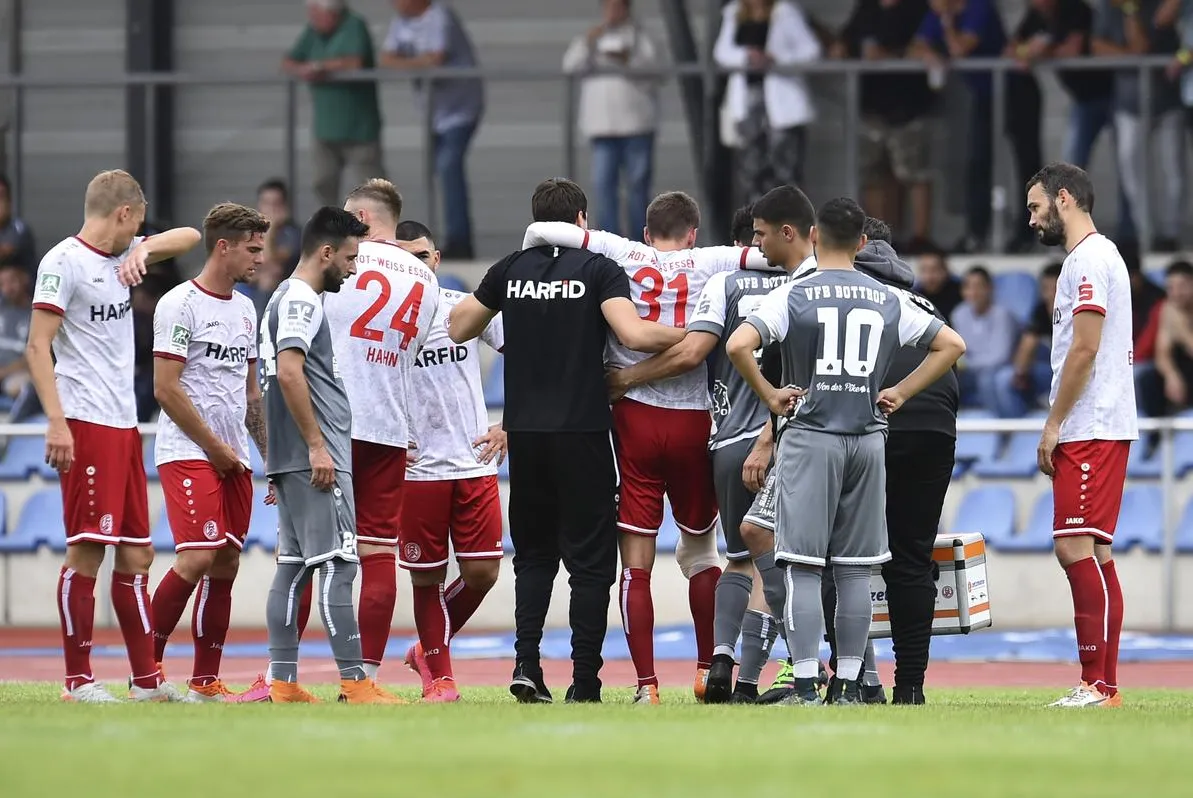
(1140, 465)
(495, 383)
(1037, 535)
(452, 283)
(1018, 458)
(989, 509)
(1184, 531)
(162, 537)
(1018, 292)
(3, 515)
(1182, 443)
(1141, 519)
(975, 447)
(40, 524)
(263, 526)
(150, 469)
(24, 456)
(256, 462)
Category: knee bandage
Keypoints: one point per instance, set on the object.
(696, 553)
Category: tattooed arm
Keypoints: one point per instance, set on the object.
(254, 415)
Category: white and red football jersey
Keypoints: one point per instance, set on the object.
(1094, 279)
(378, 320)
(216, 337)
(665, 287)
(94, 349)
(447, 402)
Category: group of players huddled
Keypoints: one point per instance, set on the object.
(379, 453)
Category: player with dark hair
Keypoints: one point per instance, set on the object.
(309, 422)
(1091, 422)
(839, 331)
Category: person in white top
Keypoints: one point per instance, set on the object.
(451, 489)
(205, 353)
(1091, 423)
(662, 428)
(80, 355)
(378, 323)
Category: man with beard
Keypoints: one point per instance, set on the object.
(1092, 420)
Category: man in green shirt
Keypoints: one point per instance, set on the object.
(347, 116)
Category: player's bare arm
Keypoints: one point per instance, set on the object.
(946, 349)
(637, 333)
(689, 353)
(753, 470)
(468, 320)
(566, 234)
(156, 248)
(60, 445)
(1074, 377)
(169, 393)
(297, 394)
(1175, 389)
(740, 348)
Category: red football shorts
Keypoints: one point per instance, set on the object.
(378, 474)
(206, 512)
(466, 511)
(1087, 488)
(105, 497)
(663, 451)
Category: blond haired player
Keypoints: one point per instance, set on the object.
(662, 428)
(205, 379)
(80, 355)
(1092, 420)
(451, 489)
(378, 321)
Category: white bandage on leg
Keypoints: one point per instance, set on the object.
(696, 553)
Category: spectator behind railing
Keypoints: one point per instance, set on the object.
(937, 283)
(990, 332)
(894, 143)
(618, 114)
(16, 239)
(1140, 27)
(426, 34)
(1174, 343)
(1181, 66)
(347, 116)
(765, 116)
(283, 242)
(16, 308)
(1020, 386)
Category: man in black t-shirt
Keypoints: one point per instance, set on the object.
(558, 306)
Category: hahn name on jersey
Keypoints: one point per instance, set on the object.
(216, 337)
(94, 350)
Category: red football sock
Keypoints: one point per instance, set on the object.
(130, 599)
(1114, 606)
(169, 602)
(76, 614)
(378, 596)
(462, 602)
(702, 599)
(637, 618)
(1089, 616)
(431, 620)
(209, 628)
(304, 607)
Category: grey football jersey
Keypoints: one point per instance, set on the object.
(294, 320)
(728, 298)
(840, 330)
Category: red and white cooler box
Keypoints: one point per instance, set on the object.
(962, 588)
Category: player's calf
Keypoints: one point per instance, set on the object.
(75, 600)
(732, 597)
(130, 600)
(378, 598)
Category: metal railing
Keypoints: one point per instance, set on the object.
(1166, 427)
(851, 71)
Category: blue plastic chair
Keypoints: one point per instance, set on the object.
(1182, 451)
(1140, 465)
(162, 537)
(147, 451)
(1184, 532)
(1018, 460)
(1141, 519)
(24, 456)
(263, 526)
(494, 383)
(1037, 535)
(40, 524)
(973, 447)
(989, 509)
(1018, 292)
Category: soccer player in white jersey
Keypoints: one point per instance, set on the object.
(80, 356)
(1092, 420)
(451, 489)
(662, 428)
(378, 322)
(205, 379)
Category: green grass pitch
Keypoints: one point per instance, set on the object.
(970, 743)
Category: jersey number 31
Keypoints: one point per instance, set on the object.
(405, 318)
(863, 333)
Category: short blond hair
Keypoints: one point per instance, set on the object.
(382, 192)
(232, 222)
(111, 190)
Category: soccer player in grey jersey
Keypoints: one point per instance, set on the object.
(309, 427)
(839, 331)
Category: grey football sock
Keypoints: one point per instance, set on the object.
(853, 618)
(804, 619)
(732, 598)
(870, 667)
(281, 614)
(775, 590)
(758, 633)
(334, 600)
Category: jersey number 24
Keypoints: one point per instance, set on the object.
(857, 355)
(404, 320)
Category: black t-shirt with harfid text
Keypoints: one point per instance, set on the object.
(555, 335)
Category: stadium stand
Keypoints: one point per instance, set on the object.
(1018, 292)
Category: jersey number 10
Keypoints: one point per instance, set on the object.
(651, 294)
(863, 327)
(404, 320)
